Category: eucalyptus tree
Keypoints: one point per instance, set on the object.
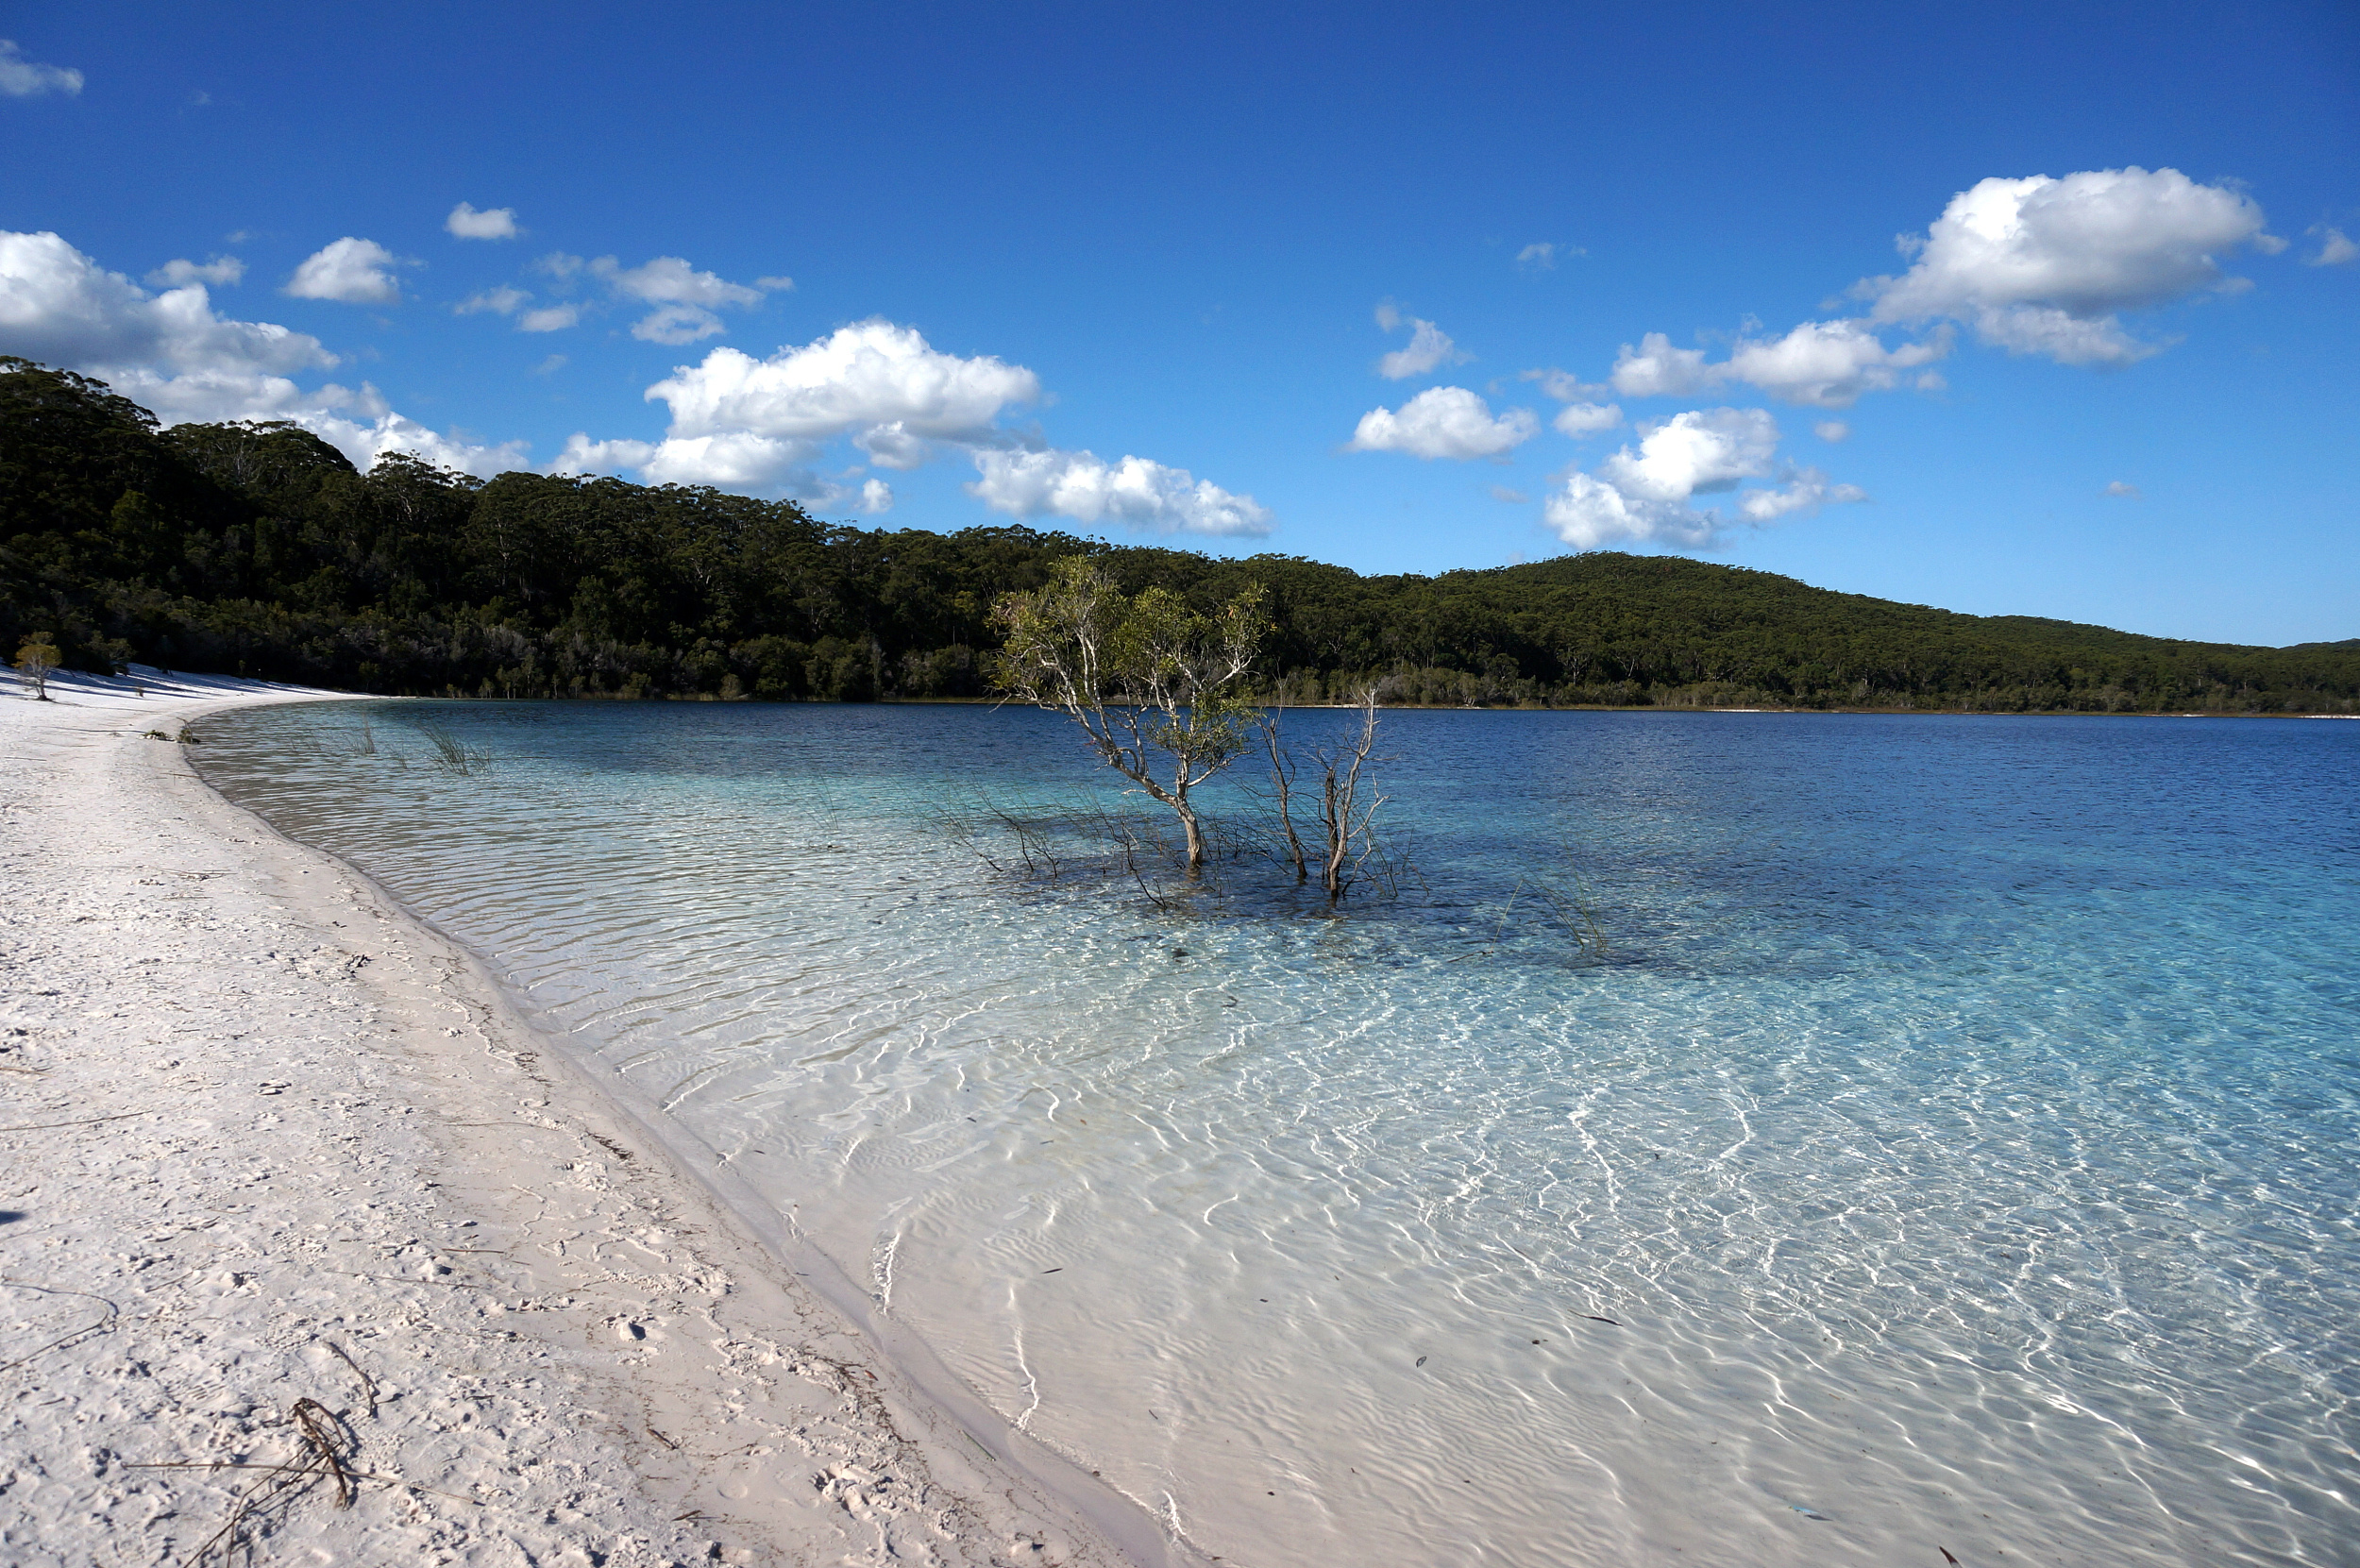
(1153, 683)
(36, 661)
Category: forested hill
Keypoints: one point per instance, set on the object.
(260, 550)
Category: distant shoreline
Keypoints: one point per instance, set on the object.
(1386, 707)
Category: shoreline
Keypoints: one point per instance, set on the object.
(270, 1139)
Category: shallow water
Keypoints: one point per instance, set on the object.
(1952, 1147)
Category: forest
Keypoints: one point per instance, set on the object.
(258, 550)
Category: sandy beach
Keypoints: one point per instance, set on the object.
(284, 1181)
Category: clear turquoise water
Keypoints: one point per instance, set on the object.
(1958, 1128)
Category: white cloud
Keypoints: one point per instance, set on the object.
(1140, 494)
(1510, 494)
(876, 381)
(392, 433)
(1543, 256)
(59, 305)
(2125, 489)
(670, 280)
(740, 422)
(676, 325)
(499, 301)
(551, 365)
(1656, 369)
(1831, 431)
(687, 300)
(170, 353)
(1702, 450)
(24, 78)
(222, 271)
(1428, 347)
(1645, 494)
(1565, 388)
(499, 223)
(2336, 249)
(1806, 490)
(1444, 421)
(893, 446)
(2043, 266)
(1582, 419)
(1826, 363)
(581, 455)
(350, 271)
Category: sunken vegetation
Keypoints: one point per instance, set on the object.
(258, 549)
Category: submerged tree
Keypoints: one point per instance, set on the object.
(1152, 681)
(1346, 804)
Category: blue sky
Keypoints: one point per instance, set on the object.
(1130, 274)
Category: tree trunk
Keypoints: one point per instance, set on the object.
(1186, 813)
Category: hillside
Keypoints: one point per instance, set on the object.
(260, 550)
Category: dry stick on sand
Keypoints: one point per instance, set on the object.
(105, 1322)
(283, 1483)
(368, 1384)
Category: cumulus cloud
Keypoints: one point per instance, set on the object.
(874, 380)
(1646, 494)
(581, 455)
(1820, 365)
(686, 301)
(1826, 365)
(350, 271)
(170, 353)
(2125, 489)
(1444, 421)
(392, 433)
(1429, 346)
(501, 301)
(549, 318)
(499, 223)
(1583, 420)
(2045, 266)
(222, 271)
(1542, 256)
(59, 306)
(1806, 490)
(1831, 431)
(740, 421)
(1140, 494)
(25, 79)
(1656, 369)
(2335, 248)
(1565, 388)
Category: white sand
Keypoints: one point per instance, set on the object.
(263, 1138)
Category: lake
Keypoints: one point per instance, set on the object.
(1781, 1138)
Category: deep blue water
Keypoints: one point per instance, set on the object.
(1955, 1118)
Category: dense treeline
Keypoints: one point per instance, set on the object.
(258, 550)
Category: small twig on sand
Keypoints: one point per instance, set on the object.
(87, 1122)
(283, 1483)
(319, 1430)
(87, 1329)
(368, 1385)
(356, 1474)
